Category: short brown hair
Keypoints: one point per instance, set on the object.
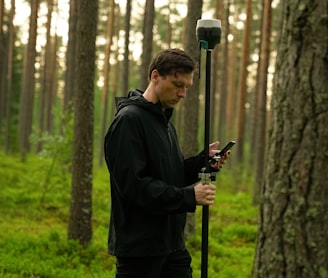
(171, 61)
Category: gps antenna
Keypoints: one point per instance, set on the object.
(208, 32)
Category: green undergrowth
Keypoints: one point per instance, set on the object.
(34, 208)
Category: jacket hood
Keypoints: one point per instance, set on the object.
(135, 97)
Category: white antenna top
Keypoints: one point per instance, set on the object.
(208, 23)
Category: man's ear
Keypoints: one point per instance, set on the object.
(154, 75)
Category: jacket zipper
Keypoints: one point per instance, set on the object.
(169, 135)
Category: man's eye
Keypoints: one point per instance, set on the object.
(179, 85)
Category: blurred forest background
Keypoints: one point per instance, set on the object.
(64, 62)
(39, 41)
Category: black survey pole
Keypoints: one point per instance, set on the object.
(208, 33)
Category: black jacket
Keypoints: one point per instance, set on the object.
(148, 176)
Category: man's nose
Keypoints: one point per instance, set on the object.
(182, 92)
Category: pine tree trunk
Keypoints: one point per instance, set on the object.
(45, 103)
(242, 86)
(216, 78)
(262, 99)
(147, 43)
(9, 76)
(232, 92)
(106, 73)
(27, 89)
(70, 72)
(80, 220)
(2, 66)
(224, 79)
(293, 219)
(191, 102)
(125, 67)
(116, 76)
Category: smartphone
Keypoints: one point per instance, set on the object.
(215, 158)
(226, 148)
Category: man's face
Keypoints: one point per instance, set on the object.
(171, 89)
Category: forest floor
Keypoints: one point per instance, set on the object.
(34, 210)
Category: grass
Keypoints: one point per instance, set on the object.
(34, 207)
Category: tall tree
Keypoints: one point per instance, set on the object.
(47, 92)
(191, 102)
(231, 108)
(27, 90)
(9, 75)
(106, 72)
(169, 25)
(217, 76)
(80, 224)
(242, 84)
(116, 75)
(125, 67)
(2, 64)
(70, 58)
(224, 78)
(147, 42)
(50, 82)
(261, 105)
(293, 220)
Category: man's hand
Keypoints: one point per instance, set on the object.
(213, 150)
(204, 194)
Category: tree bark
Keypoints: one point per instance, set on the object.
(147, 43)
(2, 66)
(70, 72)
(116, 76)
(293, 220)
(260, 137)
(80, 220)
(105, 88)
(224, 78)
(9, 76)
(243, 85)
(232, 73)
(217, 78)
(191, 102)
(48, 79)
(125, 67)
(27, 89)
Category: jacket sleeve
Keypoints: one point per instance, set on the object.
(125, 154)
(193, 166)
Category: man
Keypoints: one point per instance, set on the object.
(150, 178)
